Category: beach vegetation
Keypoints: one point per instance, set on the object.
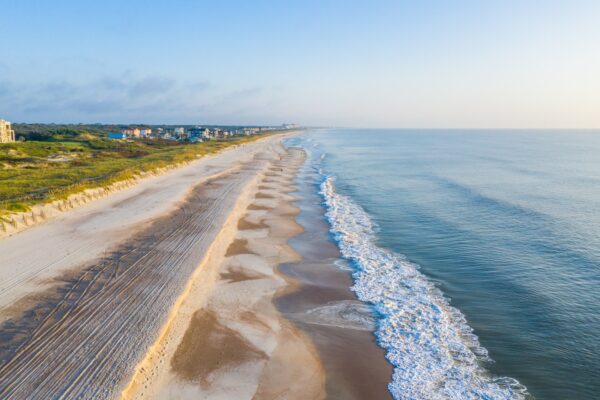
(52, 164)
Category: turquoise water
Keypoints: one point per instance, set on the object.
(479, 249)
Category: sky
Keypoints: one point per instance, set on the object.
(388, 64)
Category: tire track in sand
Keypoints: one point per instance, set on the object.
(84, 340)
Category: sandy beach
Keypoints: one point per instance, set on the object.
(227, 339)
(214, 281)
(86, 233)
(95, 287)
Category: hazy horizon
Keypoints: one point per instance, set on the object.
(386, 64)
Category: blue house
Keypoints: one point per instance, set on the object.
(117, 136)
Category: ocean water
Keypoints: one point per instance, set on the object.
(479, 251)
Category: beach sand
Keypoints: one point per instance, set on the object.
(34, 258)
(77, 319)
(324, 307)
(230, 341)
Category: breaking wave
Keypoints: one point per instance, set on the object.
(434, 351)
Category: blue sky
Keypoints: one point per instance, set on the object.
(344, 63)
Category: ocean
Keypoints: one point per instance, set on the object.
(478, 251)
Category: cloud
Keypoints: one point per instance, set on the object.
(151, 86)
(128, 98)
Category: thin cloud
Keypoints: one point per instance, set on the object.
(125, 97)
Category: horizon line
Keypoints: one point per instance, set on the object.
(313, 127)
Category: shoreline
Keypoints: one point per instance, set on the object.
(195, 301)
(323, 305)
(227, 338)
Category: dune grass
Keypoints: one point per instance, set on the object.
(38, 172)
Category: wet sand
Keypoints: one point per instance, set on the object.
(326, 309)
(238, 246)
(215, 344)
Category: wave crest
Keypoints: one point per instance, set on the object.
(434, 351)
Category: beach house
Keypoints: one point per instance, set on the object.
(145, 132)
(195, 132)
(131, 132)
(7, 135)
(180, 133)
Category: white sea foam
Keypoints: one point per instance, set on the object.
(343, 265)
(349, 314)
(433, 349)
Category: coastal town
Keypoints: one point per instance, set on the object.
(196, 133)
(189, 134)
